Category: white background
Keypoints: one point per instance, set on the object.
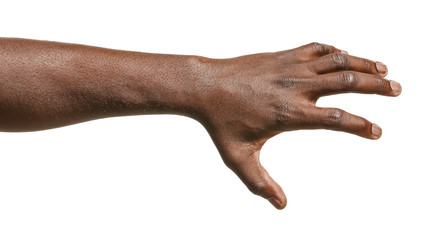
(160, 177)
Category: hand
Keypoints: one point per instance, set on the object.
(249, 99)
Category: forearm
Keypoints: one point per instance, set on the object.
(49, 84)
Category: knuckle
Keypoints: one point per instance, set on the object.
(279, 56)
(284, 115)
(349, 79)
(333, 117)
(287, 82)
(229, 163)
(364, 125)
(340, 60)
(367, 64)
(319, 48)
(235, 161)
(257, 188)
(381, 83)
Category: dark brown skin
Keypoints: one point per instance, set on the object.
(242, 102)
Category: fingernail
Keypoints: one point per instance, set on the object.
(376, 131)
(345, 52)
(381, 68)
(274, 201)
(395, 87)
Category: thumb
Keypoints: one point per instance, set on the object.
(248, 168)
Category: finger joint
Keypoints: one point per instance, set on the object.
(287, 82)
(367, 64)
(380, 83)
(319, 48)
(349, 79)
(333, 117)
(257, 188)
(340, 61)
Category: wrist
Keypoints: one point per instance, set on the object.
(173, 84)
(197, 84)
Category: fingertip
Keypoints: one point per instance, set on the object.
(283, 203)
(279, 200)
(381, 68)
(376, 131)
(277, 203)
(395, 87)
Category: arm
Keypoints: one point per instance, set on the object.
(242, 102)
(49, 84)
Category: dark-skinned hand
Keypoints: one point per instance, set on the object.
(255, 97)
